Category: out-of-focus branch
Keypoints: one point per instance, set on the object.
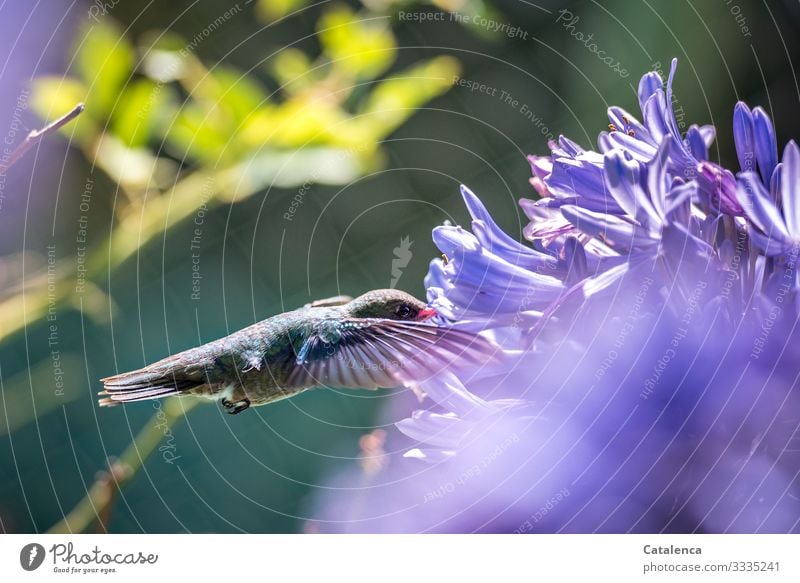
(95, 506)
(37, 135)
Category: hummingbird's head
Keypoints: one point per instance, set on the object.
(391, 304)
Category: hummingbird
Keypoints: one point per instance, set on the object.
(383, 338)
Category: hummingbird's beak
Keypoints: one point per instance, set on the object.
(426, 314)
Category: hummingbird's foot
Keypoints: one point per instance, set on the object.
(235, 407)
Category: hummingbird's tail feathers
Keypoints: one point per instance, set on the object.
(144, 384)
(117, 397)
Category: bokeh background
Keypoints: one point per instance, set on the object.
(240, 159)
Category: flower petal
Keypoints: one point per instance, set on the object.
(648, 85)
(638, 149)
(790, 188)
(658, 182)
(448, 391)
(695, 143)
(494, 239)
(743, 137)
(654, 116)
(445, 431)
(624, 121)
(607, 227)
(758, 206)
(624, 181)
(580, 181)
(597, 284)
(669, 112)
(429, 455)
(709, 134)
(766, 143)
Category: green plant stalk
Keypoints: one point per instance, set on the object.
(100, 495)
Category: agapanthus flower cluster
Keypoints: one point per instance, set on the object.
(650, 351)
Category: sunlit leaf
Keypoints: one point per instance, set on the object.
(105, 62)
(395, 99)
(285, 169)
(270, 10)
(164, 56)
(200, 135)
(137, 112)
(240, 94)
(291, 68)
(133, 167)
(52, 97)
(300, 122)
(359, 46)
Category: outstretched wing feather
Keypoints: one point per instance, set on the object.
(384, 353)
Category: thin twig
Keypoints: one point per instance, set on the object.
(101, 494)
(36, 135)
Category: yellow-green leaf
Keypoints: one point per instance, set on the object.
(361, 47)
(200, 135)
(137, 112)
(292, 69)
(271, 10)
(52, 97)
(395, 99)
(105, 63)
(240, 94)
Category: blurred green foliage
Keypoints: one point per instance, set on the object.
(154, 103)
(164, 127)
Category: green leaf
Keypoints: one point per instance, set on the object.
(361, 48)
(52, 97)
(164, 56)
(132, 167)
(105, 63)
(292, 69)
(271, 10)
(200, 135)
(137, 112)
(395, 99)
(297, 122)
(286, 169)
(237, 93)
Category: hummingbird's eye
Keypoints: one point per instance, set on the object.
(404, 311)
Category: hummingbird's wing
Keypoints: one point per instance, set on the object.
(369, 353)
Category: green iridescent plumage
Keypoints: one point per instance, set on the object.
(379, 339)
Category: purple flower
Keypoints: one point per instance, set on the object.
(774, 219)
(488, 274)
(649, 375)
(642, 141)
(755, 141)
(575, 176)
(717, 187)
